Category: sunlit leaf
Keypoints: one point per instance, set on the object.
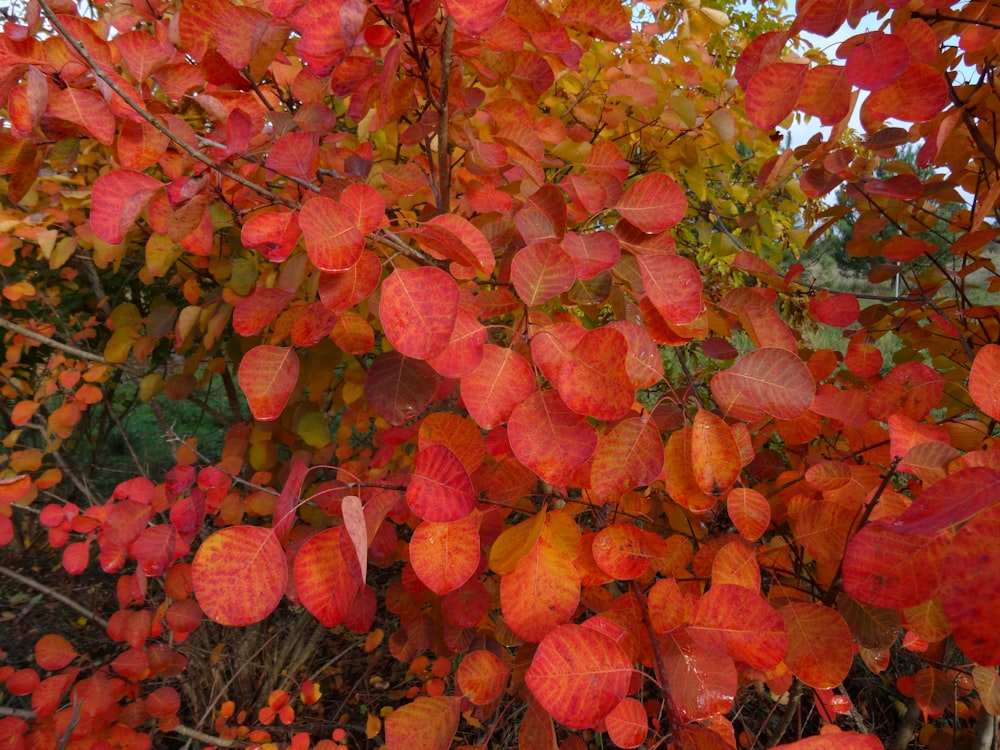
(773, 91)
(734, 620)
(820, 644)
(772, 380)
(481, 677)
(327, 576)
(333, 241)
(984, 380)
(501, 381)
(542, 592)
(628, 455)
(592, 380)
(715, 457)
(628, 724)
(440, 489)
(702, 681)
(424, 724)
(653, 203)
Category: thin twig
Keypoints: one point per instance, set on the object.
(49, 341)
(37, 586)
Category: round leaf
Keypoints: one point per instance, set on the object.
(653, 203)
(418, 309)
(327, 576)
(440, 489)
(548, 438)
(239, 575)
(445, 555)
(481, 677)
(578, 675)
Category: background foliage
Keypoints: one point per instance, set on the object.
(467, 396)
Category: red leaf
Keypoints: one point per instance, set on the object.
(673, 284)
(737, 621)
(653, 203)
(288, 501)
(644, 363)
(53, 652)
(901, 249)
(366, 205)
(628, 455)
(969, 588)
(863, 358)
(399, 388)
(820, 644)
(342, 291)
(464, 352)
(821, 17)
(772, 380)
(424, 724)
(333, 241)
(541, 271)
(885, 568)
(593, 380)
(874, 59)
(440, 489)
(475, 17)
(267, 376)
(239, 575)
(499, 383)
(836, 741)
(773, 92)
(918, 95)
(984, 380)
(598, 19)
(163, 702)
(445, 555)
(592, 253)
(272, 233)
(839, 310)
(548, 438)
(826, 94)
(116, 201)
(763, 50)
(911, 388)
(327, 576)
(418, 309)
(578, 675)
(452, 237)
(701, 681)
(86, 109)
(252, 313)
(294, 154)
(456, 433)
(678, 474)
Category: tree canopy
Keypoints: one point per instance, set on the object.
(486, 299)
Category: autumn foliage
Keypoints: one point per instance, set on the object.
(496, 292)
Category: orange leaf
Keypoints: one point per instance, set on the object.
(628, 455)
(820, 644)
(272, 233)
(84, 108)
(874, 59)
(425, 724)
(481, 677)
(267, 376)
(715, 457)
(418, 309)
(542, 591)
(445, 555)
(14, 488)
(620, 551)
(455, 238)
(678, 475)
(836, 741)
(628, 724)
(342, 291)
(653, 203)
(239, 575)
(918, 95)
(116, 201)
(702, 681)
(578, 675)
(749, 511)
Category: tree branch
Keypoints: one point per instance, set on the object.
(48, 341)
(444, 153)
(37, 586)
